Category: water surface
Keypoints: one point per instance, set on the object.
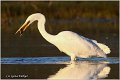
(60, 68)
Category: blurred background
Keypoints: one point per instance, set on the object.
(95, 20)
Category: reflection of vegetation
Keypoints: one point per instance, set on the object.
(15, 12)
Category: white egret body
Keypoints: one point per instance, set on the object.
(68, 42)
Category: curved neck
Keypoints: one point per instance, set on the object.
(47, 36)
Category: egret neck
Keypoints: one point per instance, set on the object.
(41, 28)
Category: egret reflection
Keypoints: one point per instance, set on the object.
(84, 70)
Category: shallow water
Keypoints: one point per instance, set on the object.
(60, 68)
(55, 60)
(23, 57)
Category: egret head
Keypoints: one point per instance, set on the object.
(31, 19)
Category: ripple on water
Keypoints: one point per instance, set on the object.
(54, 60)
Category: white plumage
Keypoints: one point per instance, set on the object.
(68, 42)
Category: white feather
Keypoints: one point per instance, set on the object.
(105, 48)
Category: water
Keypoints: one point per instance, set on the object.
(31, 57)
(60, 68)
(24, 57)
(54, 60)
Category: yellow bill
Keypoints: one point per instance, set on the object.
(23, 28)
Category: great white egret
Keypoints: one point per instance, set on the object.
(68, 42)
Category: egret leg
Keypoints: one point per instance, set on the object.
(73, 57)
(73, 61)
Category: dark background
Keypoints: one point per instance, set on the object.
(95, 20)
